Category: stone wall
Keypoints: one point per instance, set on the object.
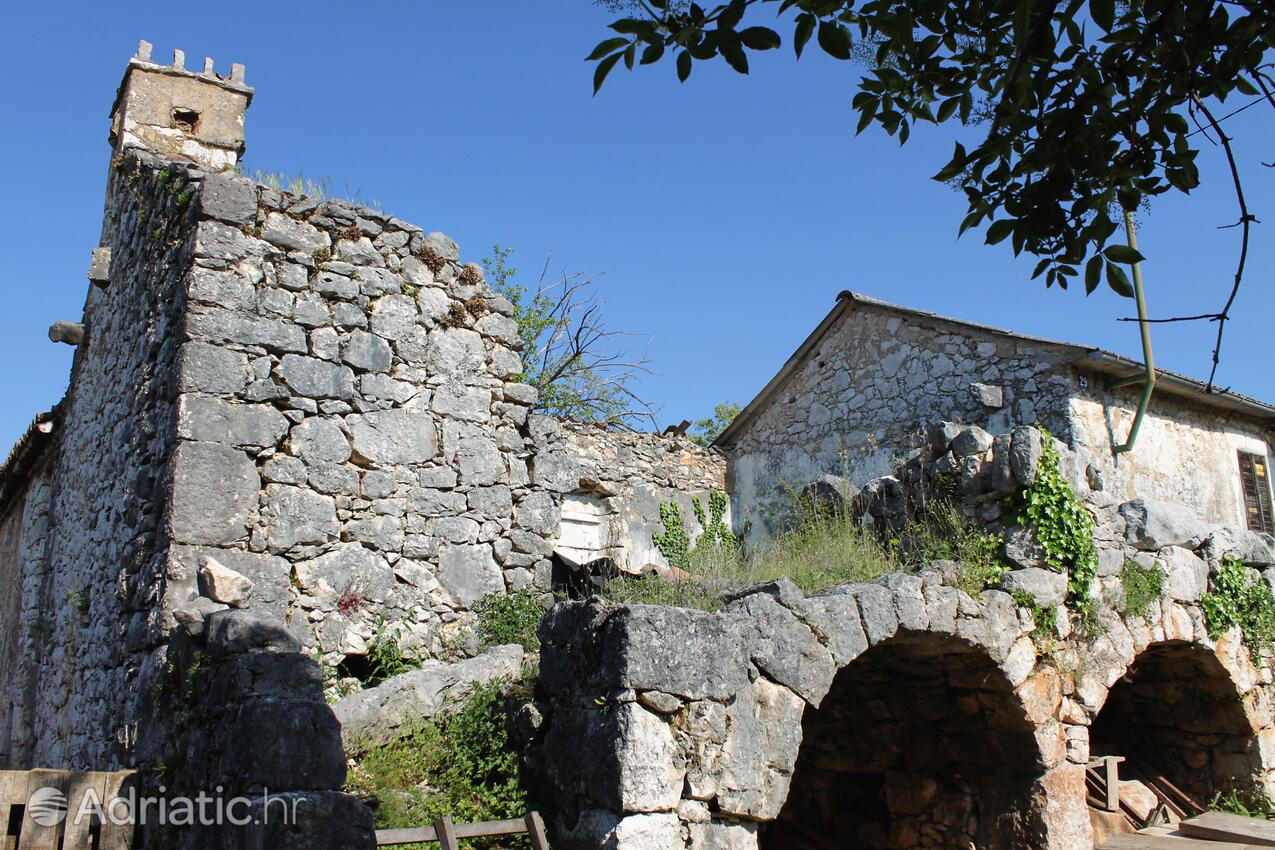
(853, 407)
(608, 486)
(905, 712)
(1185, 453)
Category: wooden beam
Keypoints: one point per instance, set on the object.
(1142, 841)
(1224, 826)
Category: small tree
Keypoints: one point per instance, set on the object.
(568, 353)
(705, 430)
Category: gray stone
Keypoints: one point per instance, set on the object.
(455, 352)
(222, 584)
(318, 440)
(400, 436)
(494, 501)
(378, 716)
(1186, 575)
(1154, 524)
(835, 618)
(216, 421)
(393, 316)
(221, 288)
(219, 325)
(360, 252)
(351, 569)
(521, 393)
(469, 573)
(314, 378)
(380, 532)
(443, 246)
(233, 631)
(972, 440)
(478, 458)
(228, 197)
(296, 235)
(760, 752)
(876, 610)
(377, 281)
(296, 515)
(191, 615)
(784, 648)
(214, 494)
(1257, 549)
(472, 404)
(988, 395)
(328, 282)
(1024, 454)
(208, 368)
(1047, 587)
(1022, 547)
(367, 352)
(283, 469)
(536, 512)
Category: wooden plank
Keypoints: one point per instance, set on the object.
(46, 835)
(13, 792)
(117, 836)
(485, 829)
(1224, 826)
(446, 834)
(536, 829)
(1141, 841)
(78, 833)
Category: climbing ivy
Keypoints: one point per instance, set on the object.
(1063, 528)
(1044, 617)
(1141, 588)
(674, 542)
(1238, 596)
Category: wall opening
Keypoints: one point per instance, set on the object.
(185, 119)
(921, 742)
(1177, 713)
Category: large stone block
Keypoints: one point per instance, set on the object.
(208, 368)
(1152, 524)
(399, 436)
(228, 197)
(319, 440)
(295, 515)
(469, 573)
(214, 420)
(315, 378)
(215, 491)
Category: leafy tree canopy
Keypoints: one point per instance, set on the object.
(705, 430)
(1089, 106)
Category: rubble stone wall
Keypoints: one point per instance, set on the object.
(1185, 453)
(671, 728)
(853, 407)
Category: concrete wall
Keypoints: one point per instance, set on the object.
(853, 406)
(1185, 453)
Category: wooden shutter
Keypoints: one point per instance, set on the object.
(1255, 481)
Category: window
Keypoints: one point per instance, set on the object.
(1255, 481)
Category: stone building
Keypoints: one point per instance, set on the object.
(290, 425)
(849, 402)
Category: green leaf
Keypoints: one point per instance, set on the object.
(999, 230)
(1103, 13)
(834, 39)
(760, 38)
(947, 107)
(652, 53)
(1175, 123)
(1119, 281)
(606, 47)
(1122, 254)
(1245, 86)
(1093, 273)
(734, 54)
(604, 68)
(801, 35)
(683, 66)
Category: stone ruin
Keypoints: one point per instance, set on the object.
(291, 420)
(904, 712)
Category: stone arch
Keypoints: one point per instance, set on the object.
(1179, 711)
(921, 741)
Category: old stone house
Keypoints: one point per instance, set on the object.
(850, 399)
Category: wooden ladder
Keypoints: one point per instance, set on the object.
(40, 810)
(448, 834)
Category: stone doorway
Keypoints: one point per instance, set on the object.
(920, 743)
(1177, 712)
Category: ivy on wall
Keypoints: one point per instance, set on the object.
(674, 542)
(1238, 596)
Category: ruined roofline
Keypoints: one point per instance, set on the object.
(142, 61)
(1086, 357)
(26, 455)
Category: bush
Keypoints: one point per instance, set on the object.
(461, 765)
(1141, 589)
(1240, 597)
(510, 618)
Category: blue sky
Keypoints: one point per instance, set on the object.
(722, 216)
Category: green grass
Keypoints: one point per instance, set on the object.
(511, 618)
(1141, 588)
(320, 189)
(822, 550)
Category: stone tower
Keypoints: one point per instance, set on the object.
(181, 114)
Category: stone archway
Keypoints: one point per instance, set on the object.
(1178, 712)
(921, 742)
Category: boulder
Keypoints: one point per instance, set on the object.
(972, 440)
(1047, 587)
(831, 494)
(1255, 548)
(376, 716)
(222, 584)
(1026, 446)
(1152, 524)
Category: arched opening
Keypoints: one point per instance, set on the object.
(1177, 715)
(921, 742)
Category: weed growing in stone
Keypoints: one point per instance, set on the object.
(385, 658)
(1238, 596)
(1045, 617)
(1255, 803)
(1141, 588)
(510, 618)
(462, 765)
